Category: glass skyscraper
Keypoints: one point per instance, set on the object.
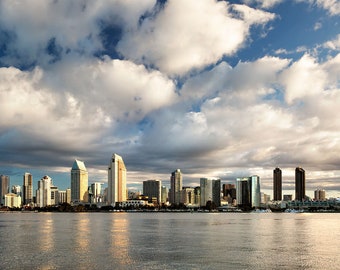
(277, 184)
(300, 184)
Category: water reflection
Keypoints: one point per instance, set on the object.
(46, 235)
(82, 233)
(120, 242)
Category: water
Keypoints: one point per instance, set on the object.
(169, 241)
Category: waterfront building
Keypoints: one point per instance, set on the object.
(96, 189)
(243, 192)
(197, 192)
(288, 197)
(206, 191)
(176, 187)
(300, 186)
(54, 195)
(229, 193)
(62, 196)
(277, 184)
(320, 195)
(12, 200)
(188, 196)
(16, 189)
(164, 196)
(255, 191)
(68, 195)
(153, 189)
(79, 182)
(27, 189)
(116, 191)
(4, 188)
(210, 191)
(44, 194)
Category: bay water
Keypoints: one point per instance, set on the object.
(169, 240)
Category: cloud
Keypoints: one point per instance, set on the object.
(266, 4)
(181, 36)
(333, 44)
(332, 6)
(55, 110)
(32, 39)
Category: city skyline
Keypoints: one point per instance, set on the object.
(219, 89)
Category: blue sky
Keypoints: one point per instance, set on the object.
(216, 88)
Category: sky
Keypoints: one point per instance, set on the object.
(219, 89)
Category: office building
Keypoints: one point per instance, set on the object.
(277, 184)
(44, 191)
(4, 188)
(229, 192)
(176, 187)
(243, 192)
(320, 195)
(12, 200)
(300, 188)
(153, 189)
(210, 190)
(79, 182)
(255, 191)
(27, 197)
(164, 197)
(188, 196)
(96, 190)
(16, 189)
(116, 191)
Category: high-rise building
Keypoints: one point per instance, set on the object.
(188, 196)
(152, 189)
(248, 192)
(27, 189)
(116, 191)
(44, 192)
(96, 189)
(176, 187)
(243, 192)
(4, 188)
(320, 195)
(79, 182)
(229, 192)
(255, 191)
(164, 191)
(300, 188)
(206, 191)
(210, 191)
(277, 184)
(16, 189)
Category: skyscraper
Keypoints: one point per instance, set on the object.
(79, 182)
(152, 189)
(255, 191)
(28, 188)
(277, 184)
(229, 192)
(116, 191)
(176, 187)
(44, 191)
(243, 192)
(4, 188)
(210, 191)
(300, 188)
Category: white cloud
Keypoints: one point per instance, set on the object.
(266, 4)
(75, 26)
(304, 78)
(333, 44)
(181, 37)
(332, 6)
